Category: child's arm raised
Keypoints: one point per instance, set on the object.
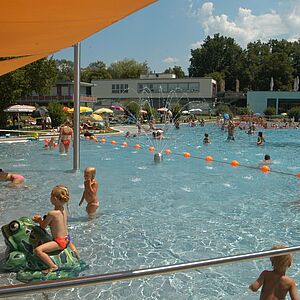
(258, 282)
(293, 290)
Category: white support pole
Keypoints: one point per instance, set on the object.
(76, 147)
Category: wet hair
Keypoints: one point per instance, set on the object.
(206, 134)
(61, 192)
(282, 262)
(260, 133)
(90, 170)
(1, 170)
(267, 157)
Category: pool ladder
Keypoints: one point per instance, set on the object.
(42, 287)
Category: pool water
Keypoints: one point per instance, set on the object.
(179, 210)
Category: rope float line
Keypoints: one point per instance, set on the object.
(208, 158)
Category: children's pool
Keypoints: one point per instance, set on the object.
(179, 210)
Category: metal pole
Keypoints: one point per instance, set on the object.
(76, 145)
(22, 289)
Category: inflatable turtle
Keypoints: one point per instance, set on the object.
(22, 236)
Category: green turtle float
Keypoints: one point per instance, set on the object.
(22, 236)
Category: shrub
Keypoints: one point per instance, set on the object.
(270, 111)
(223, 108)
(294, 112)
(57, 114)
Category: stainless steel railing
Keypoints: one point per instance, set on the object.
(21, 289)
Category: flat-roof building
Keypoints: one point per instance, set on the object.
(157, 87)
(282, 101)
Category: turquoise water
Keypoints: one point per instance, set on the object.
(177, 211)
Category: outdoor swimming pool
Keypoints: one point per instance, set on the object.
(176, 211)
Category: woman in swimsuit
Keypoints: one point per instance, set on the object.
(65, 137)
(90, 192)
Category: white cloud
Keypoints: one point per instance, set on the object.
(197, 44)
(170, 60)
(246, 27)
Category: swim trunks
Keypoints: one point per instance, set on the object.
(63, 242)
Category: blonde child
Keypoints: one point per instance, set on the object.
(56, 219)
(275, 284)
(14, 178)
(90, 192)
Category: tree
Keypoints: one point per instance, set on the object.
(270, 111)
(218, 54)
(218, 77)
(65, 69)
(128, 68)
(40, 76)
(177, 70)
(95, 71)
(57, 114)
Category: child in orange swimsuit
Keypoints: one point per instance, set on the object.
(57, 221)
(90, 192)
(15, 179)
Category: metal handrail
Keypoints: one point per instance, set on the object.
(21, 289)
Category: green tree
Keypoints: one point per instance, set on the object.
(65, 69)
(223, 108)
(177, 70)
(40, 76)
(218, 77)
(218, 54)
(294, 112)
(57, 114)
(95, 71)
(128, 68)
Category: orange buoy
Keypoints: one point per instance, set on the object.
(151, 148)
(298, 175)
(208, 158)
(124, 144)
(265, 168)
(235, 163)
(168, 151)
(55, 144)
(137, 146)
(186, 154)
(103, 140)
(113, 142)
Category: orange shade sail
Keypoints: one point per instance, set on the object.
(36, 28)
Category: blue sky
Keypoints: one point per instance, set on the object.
(164, 33)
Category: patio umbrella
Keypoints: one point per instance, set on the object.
(20, 108)
(195, 110)
(162, 109)
(284, 114)
(96, 117)
(83, 110)
(185, 112)
(40, 112)
(117, 107)
(103, 111)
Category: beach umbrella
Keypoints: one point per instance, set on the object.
(117, 107)
(40, 112)
(103, 110)
(96, 117)
(284, 114)
(83, 110)
(185, 112)
(195, 110)
(20, 108)
(162, 109)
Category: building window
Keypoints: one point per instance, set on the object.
(194, 87)
(119, 88)
(271, 103)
